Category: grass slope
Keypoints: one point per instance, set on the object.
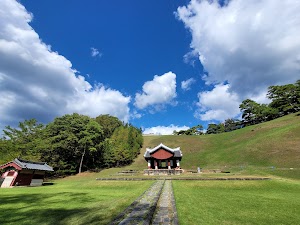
(260, 147)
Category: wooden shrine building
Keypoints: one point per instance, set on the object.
(23, 173)
(163, 160)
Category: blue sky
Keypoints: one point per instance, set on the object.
(160, 65)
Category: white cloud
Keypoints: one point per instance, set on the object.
(186, 84)
(249, 44)
(36, 82)
(218, 104)
(136, 115)
(190, 57)
(95, 52)
(158, 92)
(260, 98)
(164, 130)
(100, 100)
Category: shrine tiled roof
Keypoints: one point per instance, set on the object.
(177, 152)
(25, 164)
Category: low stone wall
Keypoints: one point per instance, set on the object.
(36, 182)
(182, 178)
(163, 172)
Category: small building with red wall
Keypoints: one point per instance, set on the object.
(21, 172)
(163, 159)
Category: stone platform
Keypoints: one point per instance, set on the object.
(163, 171)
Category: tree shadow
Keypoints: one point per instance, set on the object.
(44, 209)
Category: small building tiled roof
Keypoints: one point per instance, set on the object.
(177, 152)
(25, 164)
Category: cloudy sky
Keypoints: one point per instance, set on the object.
(160, 65)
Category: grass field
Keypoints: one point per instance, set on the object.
(84, 200)
(73, 200)
(237, 202)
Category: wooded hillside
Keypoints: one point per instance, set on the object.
(73, 143)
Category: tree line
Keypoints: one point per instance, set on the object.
(285, 99)
(196, 130)
(73, 143)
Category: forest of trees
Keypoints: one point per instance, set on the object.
(285, 99)
(73, 143)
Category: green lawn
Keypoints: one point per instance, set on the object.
(237, 202)
(83, 200)
(75, 200)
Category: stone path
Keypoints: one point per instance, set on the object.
(166, 212)
(155, 206)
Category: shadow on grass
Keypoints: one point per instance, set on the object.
(48, 183)
(45, 209)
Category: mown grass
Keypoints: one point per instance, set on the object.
(237, 202)
(73, 200)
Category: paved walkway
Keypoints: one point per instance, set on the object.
(166, 213)
(155, 206)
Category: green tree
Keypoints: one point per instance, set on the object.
(250, 110)
(90, 139)
(108, 123)
(108, 153)
(267, 113)
(73, 138)
(254, 113)
(212, 128)
(121, 149)
(285, 98)
(7, 151)
(215, 128)
(24, 141)
(123, 146)
(196, 130)
(232, 124)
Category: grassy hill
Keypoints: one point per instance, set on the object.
(267, 147)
